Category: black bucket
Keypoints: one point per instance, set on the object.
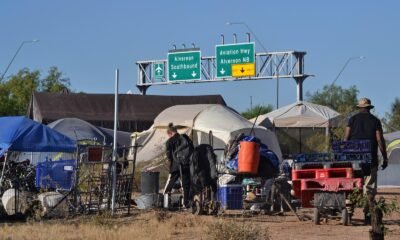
(149, 182)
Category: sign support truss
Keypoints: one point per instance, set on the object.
(272, 65)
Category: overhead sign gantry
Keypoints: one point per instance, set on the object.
(232, 62)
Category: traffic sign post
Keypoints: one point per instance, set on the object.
(228, 55)
(184, 66)
(158, 70)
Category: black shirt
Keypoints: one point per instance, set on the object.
(171, 145)
(363, 126)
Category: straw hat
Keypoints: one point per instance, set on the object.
(365, 103)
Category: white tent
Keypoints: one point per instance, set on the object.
(197, 121)
(300, 114)
(296, 123)
(389, 177)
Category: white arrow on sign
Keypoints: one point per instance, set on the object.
(174, 75)
(194, 74)
(158, 69)
(222, 71)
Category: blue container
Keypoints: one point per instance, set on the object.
(230, 196)
(351, 146)
(56, 174)
(313, 157)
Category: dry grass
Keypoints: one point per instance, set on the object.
(150, 225)
(178, 225)
(145, 225)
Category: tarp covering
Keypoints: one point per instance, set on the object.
(22, 134)
(390, 176)
(197, 121)
(79, 130)
(136, 112)
(300, 114)
(389, 137)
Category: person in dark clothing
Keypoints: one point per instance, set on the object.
(365, 126)
(178, 149)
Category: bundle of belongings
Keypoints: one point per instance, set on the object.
(203, 169)
(268, 165)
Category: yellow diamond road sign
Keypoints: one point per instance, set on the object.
(243, 70)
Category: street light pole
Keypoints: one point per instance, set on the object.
(344, 66)
(265, 50)
(15, 55)
(337, 77)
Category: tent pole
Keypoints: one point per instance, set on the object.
(2, 171)
(114, 160)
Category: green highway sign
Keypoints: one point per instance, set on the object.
(158, 69)
(229, 54)
(185, 65)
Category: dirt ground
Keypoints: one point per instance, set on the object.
(183, 225)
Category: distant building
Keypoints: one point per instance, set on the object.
(136, 112)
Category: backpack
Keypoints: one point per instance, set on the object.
(184, 150)
(203, 169)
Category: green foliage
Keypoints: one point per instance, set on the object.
(361, 201)
(357, 198)
(394, 115)
(15, 93)
(387, 208)
(54, 82)
(340, 99)
(257, 110)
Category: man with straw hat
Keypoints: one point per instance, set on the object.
(365, 126)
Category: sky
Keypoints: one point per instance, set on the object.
(88, 40)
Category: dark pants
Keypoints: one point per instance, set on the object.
(185, 181)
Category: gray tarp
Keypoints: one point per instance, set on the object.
(78, 129)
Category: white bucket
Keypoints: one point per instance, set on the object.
(8, 199)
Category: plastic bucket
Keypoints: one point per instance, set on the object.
(13, 201)
(249, 157)
(149, 182)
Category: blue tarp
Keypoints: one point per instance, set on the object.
(24, 135)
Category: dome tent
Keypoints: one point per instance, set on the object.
(389, 176)
(197, 121)
(300, 114)
(81, 130)
(299, 121)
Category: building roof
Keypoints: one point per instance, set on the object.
(136, 112)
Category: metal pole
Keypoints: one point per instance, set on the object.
(115, 156)
(15, 55)
(277, 85)
(344, 66)
(265, 50)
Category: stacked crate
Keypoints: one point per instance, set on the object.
(330, 172)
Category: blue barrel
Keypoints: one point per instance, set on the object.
(149, 182)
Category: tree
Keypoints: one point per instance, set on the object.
(15, 93)
(54, 82)
(257, 110)
(394, 115)
(340, 99)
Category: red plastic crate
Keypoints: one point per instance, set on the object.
(334, 173)
(310, 186)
